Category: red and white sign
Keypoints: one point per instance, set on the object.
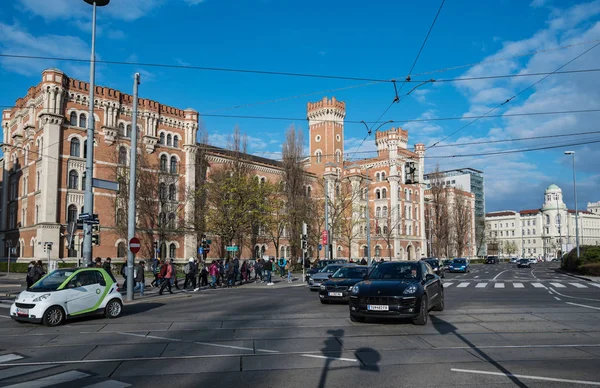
(324, 237)
(134, 245)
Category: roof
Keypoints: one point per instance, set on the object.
(553, 187)
(501, 213)
(572, 211)
(245, 156)
(532, 211)
(462, 170)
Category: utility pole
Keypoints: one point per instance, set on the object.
(304, 245)
(9, 242)
(326, 256)
(132, 187)
(368, 220)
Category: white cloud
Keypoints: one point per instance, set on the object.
(115, 34)
(538, 3)
(127, 10)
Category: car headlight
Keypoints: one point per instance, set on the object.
(355, 289)
(41, 298)
(436, 268)
(410, 290)
(323, 287)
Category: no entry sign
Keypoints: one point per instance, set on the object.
(134, 245)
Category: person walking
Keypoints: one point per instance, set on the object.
(108, 268)
(98, 262)
(258, 270)
(38, 272)
(213, 271)
(30, 274)
(288, 267)
(269, 268)
(155, 272)
(203, 278)
(281, 265)
(244, 271)
(138, 276)
(166, 275)
(190, 275)
(221, 278)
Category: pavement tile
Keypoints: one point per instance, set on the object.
(284, 323)
(520, 354)
(299, 344)
(54, 353)
(197, 335)
(176, 367)
(419, 356)
(454, 340)
(178, 349)
(296, 361)
(133, 327)
(195, 325)
(552, 338)
(506, 317)
(445, 327)
(126, 351)
(595, 350)
(513, 327)
(96, 338)
(570, 317)
(16, 342)
(385, 342)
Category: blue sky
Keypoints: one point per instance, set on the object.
(373, 39)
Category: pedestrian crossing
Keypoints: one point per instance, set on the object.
(518, 285)
(67, 378)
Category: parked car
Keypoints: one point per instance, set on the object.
(446, 265)
(492, 260)
(524, 263)
(533, 261)
(337, 287)
(399, 289)
(436, 267)
(324, 263)
(315, 280)
(514, 260)
(459, 265)
(68, 293)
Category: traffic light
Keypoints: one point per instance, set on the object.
(304, 243)
(96, 239)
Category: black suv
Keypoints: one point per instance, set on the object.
(492, 260)
(436, 266)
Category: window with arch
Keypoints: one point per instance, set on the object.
(547, 219)
(122, 156)
(263, 181)
(383, 193)
(410, 213)
(385, 229)
(161, 139)
(409, 230)
(73, 180)
(378, 230)
(318, 155)
(378, 177)
(365, 251)
(171, 220)
(128, 134)
(172, 192)
(163, 163)
(173, 165)
(338, 156)
(121, 249)
(83, 181)
(73, 119)
(377, 251)
(378, 212)
(162, 219)
(71, 213)
(383, 176)
(385, 211)
(85, 148)
(406, 194)
(175, 141)
(169, 140)
(377, 194)
(282, 252)
(122, 129)
(162, 191)
(337, 190)
(75, 149)
(172, 249)
(308, 191)
(37, 213)
(363, 194)
(82, 121)
(38, 181)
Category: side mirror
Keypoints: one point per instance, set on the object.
(365, 277)
(429, 277)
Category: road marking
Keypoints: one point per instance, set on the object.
(481, 285)
(573, 297)
(499, 285)
(109, 384)
(448, 284)
(10, 357)
(4, 306)
(518, 285)
(583, 305)
(594, 284)
(476, 277)
(329, 358)
(557, 285)
(557, 298)
(199, 343)
(482, 372)
(578, 285)
(5, 316)
(21, 370)
(496, 277)
(538, 285)
(463, 285)
(60, 378)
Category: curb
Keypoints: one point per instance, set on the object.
(575, 276)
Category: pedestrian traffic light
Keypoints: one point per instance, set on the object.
(304, 244)
(155, 244)
(96, 239)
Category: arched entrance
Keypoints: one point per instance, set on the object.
(410, 250)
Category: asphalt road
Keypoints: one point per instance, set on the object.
(502, 326)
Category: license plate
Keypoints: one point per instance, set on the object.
(24, 312)
(376, 307)
(336, 294)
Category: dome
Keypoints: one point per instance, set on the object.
(553, 187)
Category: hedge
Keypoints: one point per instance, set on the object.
(14, 267)
(592, 269)
(588, 256)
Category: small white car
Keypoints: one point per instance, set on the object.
(68, 293)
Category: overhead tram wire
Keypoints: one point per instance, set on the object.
(514, 96)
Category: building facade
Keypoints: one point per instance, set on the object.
(543, 233)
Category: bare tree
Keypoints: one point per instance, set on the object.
(275, 220)
(388, 227)
(440, 215)
(461, 222)
(480, 230)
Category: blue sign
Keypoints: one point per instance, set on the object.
(320, 246)
(200, 250)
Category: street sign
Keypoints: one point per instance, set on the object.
(200, 250)
(134, 245)
(209, 242)
(231, 249)
(84, 216)
(91, 222)
(320, 246)
(324, 238)
(104, 184)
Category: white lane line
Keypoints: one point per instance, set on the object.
(496, 277)
(476, 277)
(329, 358)
(578, 285)
(557, 298)
(481, 285)
(594, 284)
(109, 384)
(60, 378)
(463, 285)
(198, 342)
(448, 284)
(558, 285)
(22, 370)
(5, 316)
(538, 285)
(518, 285)
(499, 285)
(10, 357)
(573, 297)
(482, 372)
(4, 306)
(583, 305)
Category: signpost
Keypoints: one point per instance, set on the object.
(134, 245)
(231, 249)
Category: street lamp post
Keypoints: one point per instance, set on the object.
(88, 200)
(572, 153)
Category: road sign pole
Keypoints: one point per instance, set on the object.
(132, 186)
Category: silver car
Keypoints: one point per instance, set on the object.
(315, 280)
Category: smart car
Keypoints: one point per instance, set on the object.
(68, 293)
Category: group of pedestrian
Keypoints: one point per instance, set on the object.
(35, 271)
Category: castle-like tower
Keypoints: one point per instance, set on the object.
(326, 132)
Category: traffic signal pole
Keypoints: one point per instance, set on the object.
(132, 187)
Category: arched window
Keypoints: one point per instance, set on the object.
(121, 249)
(318, 155)
(121, 217)
(128, 134)
(163, 251)
(175, 141)
(378, 230)
(172, 192)
(169, 140)
(406, 194)
(71, 213)
(378, 212)
(172, 249)
(162, 219)
(409, 194)
(282, 252)
(385, 229)
(161, 139)
(262, 180)
(383, 176)
(547, 219)
(173, 165)
(122, 130)
(337, 190)
(365, 251)
(338, 156)
(384, 193)
(385, 211)
(163, 163)
(363, 194)
(308, 191)
(378, 177)
(172, 220)
(162, 191)
(73, 119)
(83, 181)
(82, 121)
(122, 156)
(37, 213)
(75, 149)
(85, 148)
(73, 180)
(377, 194)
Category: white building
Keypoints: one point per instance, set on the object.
(542, 233)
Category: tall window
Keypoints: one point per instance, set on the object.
(71, 213)
(377, 251)
(163, 163)
(75, 149)
(37, 213)
(122, 129)
(385, 211)
(83, 181)
(175, 141)
(161, 139)
(172, 192)
(385, 229)
(378, 177)
(37, 181)
(128, 134)
(171, 220)
(162, 219)
(73, 180)
(383, 176)
(85, 148)
(162, 191)
(173, 165)
(73, 119)
(318, 155)
(309, 191)
(169, 140)
(82, 121)
(122, 155)
(377, 194)
(121, 249)
(172, 251)
(378, 212)
(120, 217)
(338, 156)
(384, 193)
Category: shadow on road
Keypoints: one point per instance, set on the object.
(444, 327)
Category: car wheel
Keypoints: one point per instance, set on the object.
(439, 306)
(424, 314)
(356, 318)
(324, 301)
(54, 316)
(113, 308)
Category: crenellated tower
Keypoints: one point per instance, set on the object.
(326, 132)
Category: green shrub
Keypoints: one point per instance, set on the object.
(14, 267)
(592, 269)
(588, 254)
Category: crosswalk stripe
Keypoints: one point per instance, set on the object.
(538, 285)
(22, 370)
(499, 285)
(60, 378)
(481, 285)
(463, 285)
(518, 285)
(4, 306)
(10, 357)
(558, 285)
(594, 284)
(448, 284)
(109, 384)
(578, 285)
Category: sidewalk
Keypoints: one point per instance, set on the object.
(595, 279)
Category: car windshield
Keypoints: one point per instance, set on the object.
(433, 263)
(331, 268)
(350, 273)
(524, 260)
(52, 281)
(395, 271)
(460, 261)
